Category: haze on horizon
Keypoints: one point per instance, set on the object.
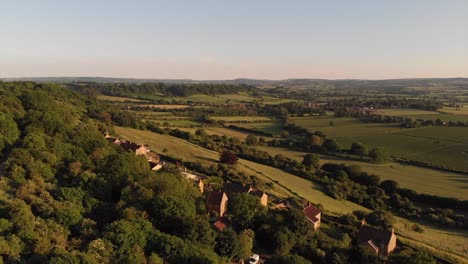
(261, 39)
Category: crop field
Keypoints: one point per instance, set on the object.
(242, 118)
(120, 99)
(179, 123)
(405, 112)
(449, 241)
(226, 132)
(165, 106)
(450, 134)
(202, 98)
(343, 126)
(274, 100)
(269, 127)
(240, 97)
(455, 111)
(445, 147)
(426, 115)
(420, 179)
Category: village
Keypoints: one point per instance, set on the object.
(381, 242)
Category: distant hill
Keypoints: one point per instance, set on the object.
(304, 83)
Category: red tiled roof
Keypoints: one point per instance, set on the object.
(130, 146)
(221, 223)
(378, 237)
(311, 213)
(214, 198)
(234, 188)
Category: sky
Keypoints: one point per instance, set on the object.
(220, 39)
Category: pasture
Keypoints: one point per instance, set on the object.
(274, 127)
(453, 241)
(120, 99)
(245, 119)
(420, 179)
(343, 126)
(165, 106)
(455, 110)
(445, 147)
(426, 115)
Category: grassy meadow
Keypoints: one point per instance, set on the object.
(120, 99)
(420, 179)
(448, 115)
(445, 147)
(241, 118)
(274, 127)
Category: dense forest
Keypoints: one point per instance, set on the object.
(162, 89)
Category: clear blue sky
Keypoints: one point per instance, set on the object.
(218, 39)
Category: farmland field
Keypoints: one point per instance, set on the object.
(120, 99)
(455, 111)
(420, 179)
(241, 118)
(268, 127)
(426, 115)
(343, 126)
(165, 106)
(454, 241)
(445, 147)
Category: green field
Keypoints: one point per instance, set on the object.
(343, 126)
(241, 118)
(445, 147)
(274, 127)
(426, 115)
(455, 111)
(119, 99)
(454, 241)
(422, 180)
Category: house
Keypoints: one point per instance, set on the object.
(313, 214)
(233, 188)
(196, 178)
(153, 157)
(221, 223)
(262, 196)
(114, 140)
(155, 166)
(134, 147)
(216, 203)
(200, 185)
(382, 242)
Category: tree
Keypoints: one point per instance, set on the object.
(9, 132)
(125, 235)
(378, 155)
(311, 160)
(251, 140)
(421, 257)
(389, 186)
(331, 145)
(357, 148)
(315, 140)
(291, 259)
(228, 244)
(228, 157)
(243, 208)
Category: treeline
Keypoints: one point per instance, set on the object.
(163, 89)
(408, 122)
